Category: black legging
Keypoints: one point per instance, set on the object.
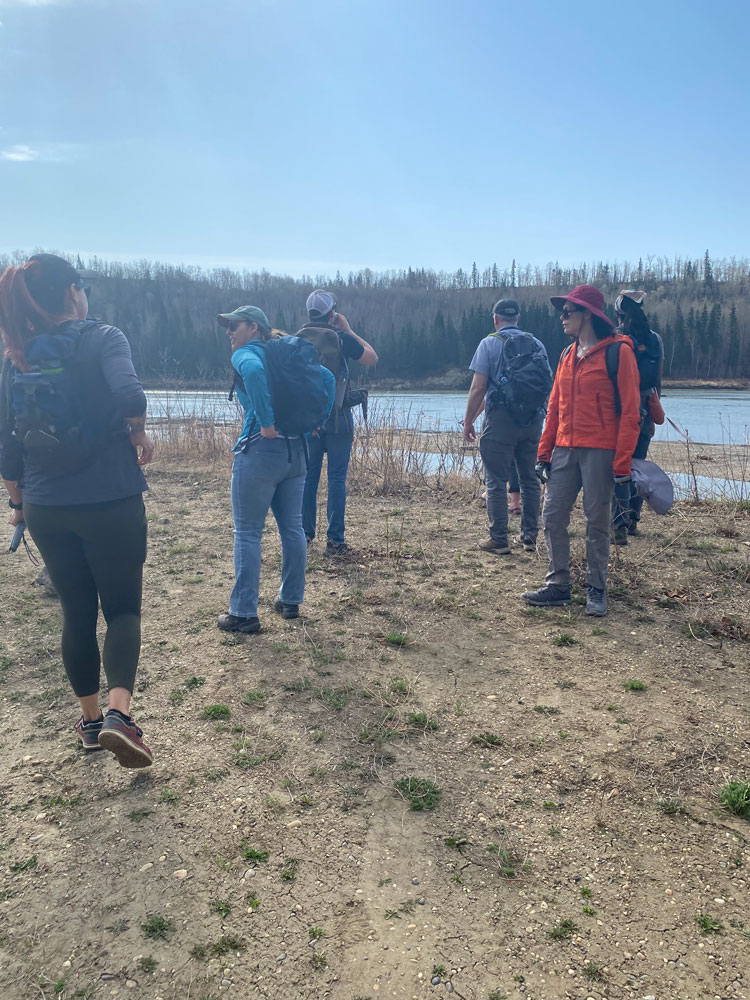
(95, 552)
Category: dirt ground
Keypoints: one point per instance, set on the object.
(575, 848)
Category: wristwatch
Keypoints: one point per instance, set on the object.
(15, 506)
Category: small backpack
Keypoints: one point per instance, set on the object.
(328, 343)
(45, 409)
(524, 381)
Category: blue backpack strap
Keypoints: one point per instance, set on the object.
(612, 361)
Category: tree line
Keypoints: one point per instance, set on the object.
(421, 322)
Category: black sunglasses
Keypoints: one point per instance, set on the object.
(566, 312)
(80, 283)
(234, 324)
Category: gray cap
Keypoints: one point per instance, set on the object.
(506, 307)
(245, 314)
(319, 303)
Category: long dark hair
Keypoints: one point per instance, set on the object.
(31, 296)
(639, 325)
(601, 328)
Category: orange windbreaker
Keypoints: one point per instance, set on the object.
(581, 410)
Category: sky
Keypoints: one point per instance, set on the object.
(306, 136)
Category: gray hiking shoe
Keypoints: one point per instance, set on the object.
(621, 534)
(490, 545)
(596, 602)
(285, 610)
(528, 545)
(548, 597)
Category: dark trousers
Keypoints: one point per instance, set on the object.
(503, 445)
(626, 504)
(95, 552)
(338, 446)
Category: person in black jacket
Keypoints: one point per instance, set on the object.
(74, 475)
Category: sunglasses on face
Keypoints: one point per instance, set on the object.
(234, 324)
(566, 312)
(80, 283)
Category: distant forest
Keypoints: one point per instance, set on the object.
(421, 322)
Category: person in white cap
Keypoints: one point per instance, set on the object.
(336, 341)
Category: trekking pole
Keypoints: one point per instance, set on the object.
(19, 535)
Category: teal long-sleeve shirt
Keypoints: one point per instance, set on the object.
(248, 362)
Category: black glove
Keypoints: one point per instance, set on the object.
(542, 470)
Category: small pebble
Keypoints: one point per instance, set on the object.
(415, 881)
(37, 778)
(281, 957)
(435, 980)
(131, 984)
(449, 987)
(181, 873)
(421, 900)
(39, 817)
(66, 964)
(294, 822)
(226, 982)
(145, 868)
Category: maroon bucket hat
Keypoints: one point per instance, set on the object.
(586, 296)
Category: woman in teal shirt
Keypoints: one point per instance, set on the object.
(269, 471)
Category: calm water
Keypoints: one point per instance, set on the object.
(709, 417)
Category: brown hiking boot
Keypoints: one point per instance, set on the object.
(490, 545)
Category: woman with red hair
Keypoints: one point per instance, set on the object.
(72, 445)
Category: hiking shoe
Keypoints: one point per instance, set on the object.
(233, 623)
(621, 534)
(490, 545)
(337, 548)
(286, 610)
(548, 597)
(528, 545)
(633, 529)
(120, 734)
(596, 602)
(88, 733)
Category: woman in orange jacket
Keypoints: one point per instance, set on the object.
(588, 440)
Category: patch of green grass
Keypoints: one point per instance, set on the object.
(147, 963)
(399, 685)
(252, 854)
(594, 972)
(438, 970)
(298, 686)
(61, 802)
(118, 926)
(176, 696)
(216, 712)
(564, 639)
(547, 709)
(708, 924)
(487, 739)
(396, 639)
(335, 698)
(255, 698)
(589, 911)
(253, 902)
(670, 807)
(137, 815)
(216, 773)
(735, 798)
(193, 683)
(634, 685)
(225, 944)
(316, 933)
(24, 866)
(169, 796)
(288, 872)
(598, 630)
(550, 805)
(59, 986)
(563, 930)
(421, 720)
(319, 960)
(457, 843)
(565, 685)
(496, 994)
(421, 793)
(585, 892)
(221, 906)
(156, 927)
(508, 866)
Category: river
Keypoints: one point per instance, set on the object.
(710, 416)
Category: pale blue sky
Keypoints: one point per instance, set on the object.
(308, 136)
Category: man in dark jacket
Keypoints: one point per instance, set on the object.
(331, 333)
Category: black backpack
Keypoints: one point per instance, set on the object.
(524, 380)
(295, 383)
(46, 409)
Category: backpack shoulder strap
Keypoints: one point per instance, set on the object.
(566, 352)
(612, 361)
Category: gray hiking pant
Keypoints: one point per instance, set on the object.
(503, 443)
(573, 468)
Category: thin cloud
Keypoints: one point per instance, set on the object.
(19, 154)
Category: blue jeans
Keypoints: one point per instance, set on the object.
(339, 449)
(264, 477)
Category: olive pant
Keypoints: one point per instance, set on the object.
(95, 552)
(573, 469)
